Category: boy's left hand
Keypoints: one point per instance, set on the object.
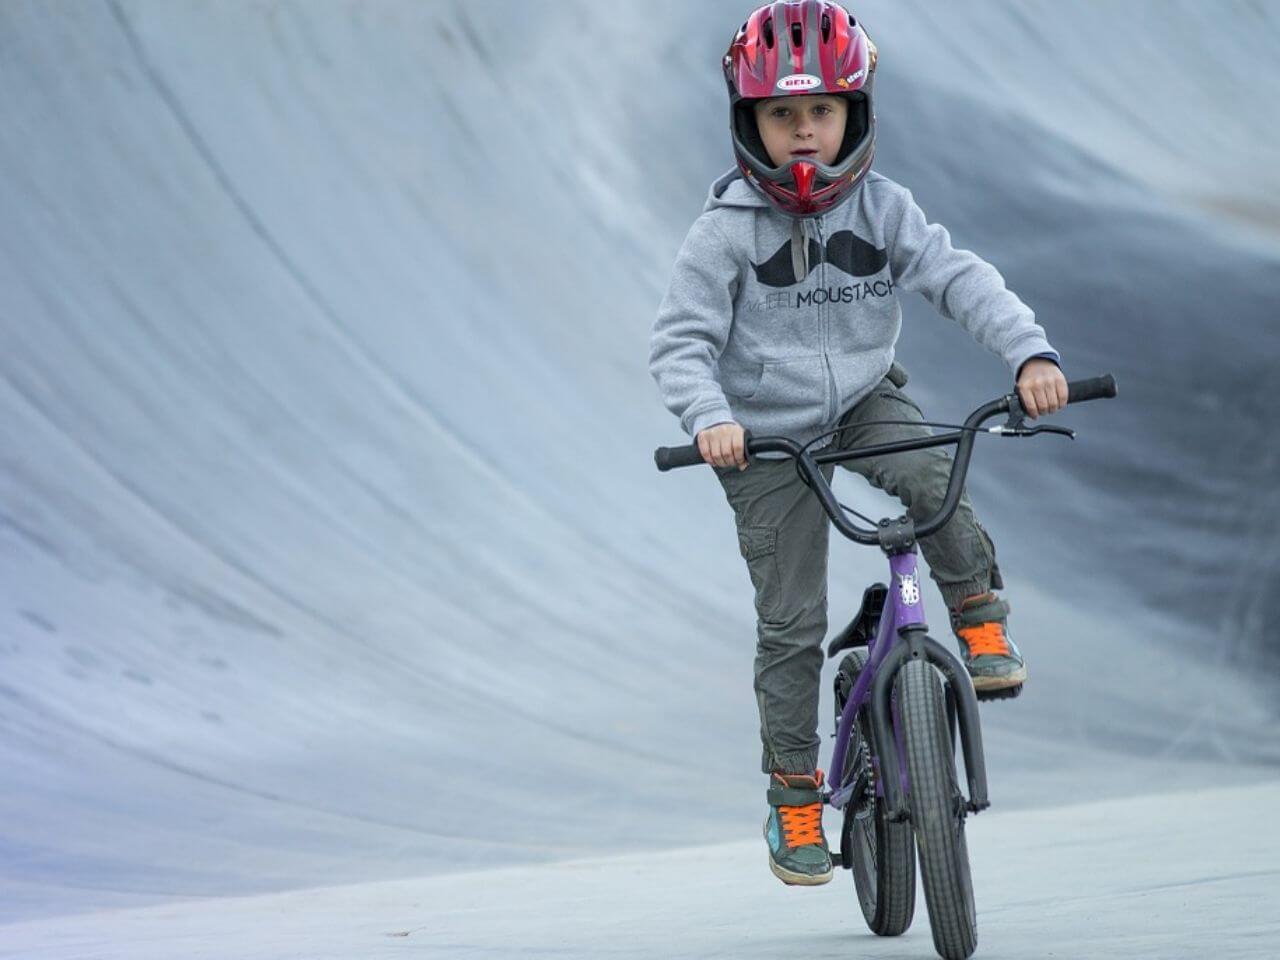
(1041, 387)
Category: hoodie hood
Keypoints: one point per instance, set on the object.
(731, 190)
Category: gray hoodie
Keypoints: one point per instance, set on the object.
(782, 325)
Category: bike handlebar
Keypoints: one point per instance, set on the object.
(1095, 388)
(1078, 391)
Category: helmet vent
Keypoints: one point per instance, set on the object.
(826, 28)
(768, 33)
(797, 35)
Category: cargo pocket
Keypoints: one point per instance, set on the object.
(759, 546)
(997, 581)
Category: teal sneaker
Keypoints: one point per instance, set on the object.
(994, 662)
(798, 852)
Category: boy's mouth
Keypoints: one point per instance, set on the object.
(804, 153)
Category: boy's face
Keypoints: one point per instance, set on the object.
(811, 125)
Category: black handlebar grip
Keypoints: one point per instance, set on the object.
(1095, 388)
(668, 458)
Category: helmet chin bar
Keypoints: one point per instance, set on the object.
(803, 173)
(807, 198)
(803, 187)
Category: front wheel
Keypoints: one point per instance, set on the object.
(937, 810)
(881, 855)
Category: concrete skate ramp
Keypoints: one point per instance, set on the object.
(331, 549)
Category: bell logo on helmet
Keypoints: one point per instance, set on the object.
(799, 81)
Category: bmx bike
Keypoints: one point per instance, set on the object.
(902, 699)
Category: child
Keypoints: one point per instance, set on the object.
(781, 317)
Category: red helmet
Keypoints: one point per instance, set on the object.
(792, 49)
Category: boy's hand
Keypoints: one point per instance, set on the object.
(723, 445)
(1041, 387)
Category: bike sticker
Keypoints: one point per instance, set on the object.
(909, 589)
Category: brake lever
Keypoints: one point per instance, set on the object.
(1016, 425)
(1007, 431)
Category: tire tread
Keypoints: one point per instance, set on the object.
(944, 859)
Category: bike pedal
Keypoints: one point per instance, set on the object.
(1004, 693)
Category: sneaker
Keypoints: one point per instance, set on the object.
(798, 852)
(994, 662)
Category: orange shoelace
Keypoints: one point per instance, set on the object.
(801, 826)
(985, 638)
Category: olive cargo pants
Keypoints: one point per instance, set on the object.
(783, 535)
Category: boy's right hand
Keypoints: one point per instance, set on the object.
(723, 445)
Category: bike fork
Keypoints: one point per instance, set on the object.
(902, 635)
(917, 645)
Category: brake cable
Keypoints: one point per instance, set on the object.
(1015, 426)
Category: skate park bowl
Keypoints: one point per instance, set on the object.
(342, 611)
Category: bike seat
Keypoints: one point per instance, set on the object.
(864, 623)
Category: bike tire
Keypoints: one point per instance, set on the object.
(937, 811)
(881, 855)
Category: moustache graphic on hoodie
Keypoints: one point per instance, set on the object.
(844, 251)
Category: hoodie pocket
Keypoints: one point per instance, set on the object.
(779, 397)
(793, 384)
(741, 380)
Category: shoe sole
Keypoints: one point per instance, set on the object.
(800, 879)
(1015, 679)
(1004, 693)
(792, 879)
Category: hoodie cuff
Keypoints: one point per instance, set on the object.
(1051, 357)
(1026, 350)
(709, 418)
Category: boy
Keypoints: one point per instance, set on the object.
(781, 317)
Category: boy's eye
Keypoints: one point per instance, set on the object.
(818, 110)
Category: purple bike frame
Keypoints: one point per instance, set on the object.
(903, 607)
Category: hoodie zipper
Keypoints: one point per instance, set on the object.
(824, 312)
